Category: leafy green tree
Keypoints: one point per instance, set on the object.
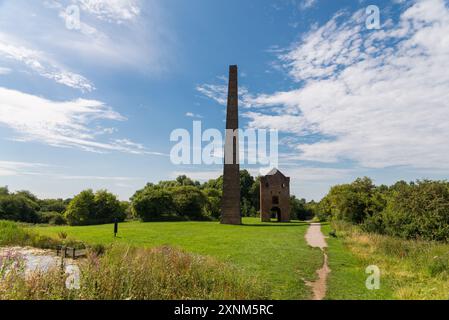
(213, 204)
(53, 218)
(52, 205)
(189, 201)
(214, 184)
(18, 208)
(81, 209)
(107, 208)
(299, 209)
(255, 195)
(28, 195)
(416, 211)
(4, 191)
(152, 202)
(88, 208)
(354, 202)
(186, 181)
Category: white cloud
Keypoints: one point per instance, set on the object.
(219, 93)
(112, 10)
(313, 174)
(40, 63)
(376, 97)
(98, 178)
(61, 124)
(114, 34)
(4, 71)
(12, 168)
(306, 4)
(193, 115)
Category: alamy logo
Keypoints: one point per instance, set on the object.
(373, 19)
(373, 280)
(73, 17)
(250, 146)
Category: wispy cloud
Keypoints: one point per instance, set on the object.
(4, 71)
(62, 124)
(193, 115)
(375, 97)
(117, 34)
(116, 11)
(306, 4)
(219, 92)
(12, 168)
(41, 64)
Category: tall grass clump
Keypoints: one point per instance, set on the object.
(13, 234)
(126, 273)
(416, 269)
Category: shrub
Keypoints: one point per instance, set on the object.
(213, 203)
(11, 234)
(439, 265)
(189, 201)
(152, 202)
(18, 208)
(299, 209)
(52, 205)
(53, 218)
(80, 210)
(414, 211)
(88, 208)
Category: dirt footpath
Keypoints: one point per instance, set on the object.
(316, 239)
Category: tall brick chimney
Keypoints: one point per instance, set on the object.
(230, 207)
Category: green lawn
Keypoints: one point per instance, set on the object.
(274, 253)
(347, 278)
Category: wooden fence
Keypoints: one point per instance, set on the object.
(67, 252)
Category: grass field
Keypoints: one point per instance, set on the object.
(276, 254)
(410, 269)
(347, 277)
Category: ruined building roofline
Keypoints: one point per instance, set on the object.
(275, 171)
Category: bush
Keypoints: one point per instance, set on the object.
(414, 211)
(299, 209)
(11, 234)
(52, 205)
(152, 202)
(53, 218)
(107, 208)
(88, 208)
(18, 208)
(189, 201)
(439, 265)
(213, 204)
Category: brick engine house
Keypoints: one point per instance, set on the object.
(275, 197)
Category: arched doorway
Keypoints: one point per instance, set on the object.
(276, 214)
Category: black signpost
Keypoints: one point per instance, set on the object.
(115, 227)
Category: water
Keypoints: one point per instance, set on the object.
(36, 260)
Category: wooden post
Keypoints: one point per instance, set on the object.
(115, 227)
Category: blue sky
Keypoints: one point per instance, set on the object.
(94, 107)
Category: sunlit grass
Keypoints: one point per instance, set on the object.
(410, 269)
(276, 254)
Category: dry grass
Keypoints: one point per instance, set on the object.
(126, 273)
(413, 269)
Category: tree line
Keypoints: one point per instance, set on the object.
(179, 199)
(410, 210)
